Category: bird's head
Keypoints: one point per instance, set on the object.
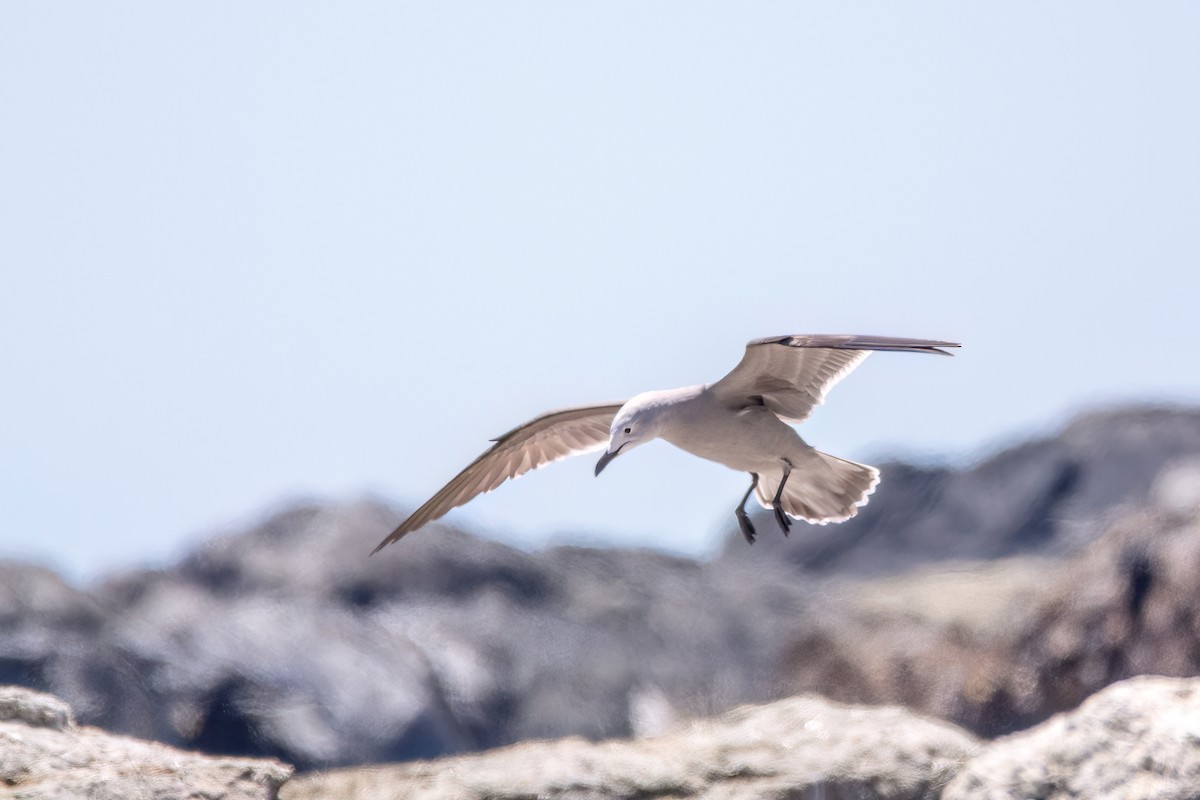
(639, 421)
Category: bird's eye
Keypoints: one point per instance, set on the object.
(629, 430)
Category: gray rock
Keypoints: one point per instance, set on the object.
(1136, 739)
(802, 747)
(281, 642)
(54, 637)
(286, 677)
(43, 755)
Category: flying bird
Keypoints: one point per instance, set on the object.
(743, 421)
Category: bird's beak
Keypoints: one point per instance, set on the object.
(604, 459)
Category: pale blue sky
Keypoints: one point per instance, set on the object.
(254, 251)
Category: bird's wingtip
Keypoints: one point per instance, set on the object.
(392, 537)
(938, 348)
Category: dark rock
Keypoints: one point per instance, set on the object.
(282, 676)
(54, 637)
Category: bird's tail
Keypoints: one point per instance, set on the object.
(828, 489)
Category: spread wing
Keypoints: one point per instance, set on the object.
(551, 437)
(790, 375)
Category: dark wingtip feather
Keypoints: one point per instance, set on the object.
(394, 536)
(891, 344)
(937, 349)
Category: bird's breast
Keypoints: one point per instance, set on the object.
(749, 440)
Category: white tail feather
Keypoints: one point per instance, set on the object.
(829, 490)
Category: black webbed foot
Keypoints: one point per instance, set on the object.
(781, 516)
(746, 526)
(740, 511)
(785, 522)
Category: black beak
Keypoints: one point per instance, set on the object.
(604, 459)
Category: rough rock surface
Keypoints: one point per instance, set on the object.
(802, 747)
(1137, 739)
(44, 755)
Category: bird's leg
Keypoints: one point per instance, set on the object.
(777, 504)
(743, 520)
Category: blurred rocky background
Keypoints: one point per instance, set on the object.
(990, 596)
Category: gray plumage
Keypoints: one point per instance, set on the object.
(743, 421)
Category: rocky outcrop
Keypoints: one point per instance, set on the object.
(287, 641)
(802, 747)
(1139, 738)
(43, 754)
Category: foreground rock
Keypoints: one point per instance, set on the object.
(796, 748)
(44, 755)
(1137, 739)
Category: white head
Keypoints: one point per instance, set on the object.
(639, 421)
